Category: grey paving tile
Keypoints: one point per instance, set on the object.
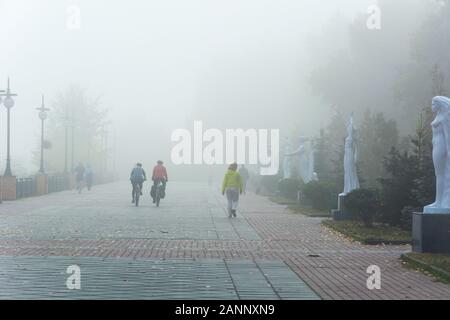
(122, 278)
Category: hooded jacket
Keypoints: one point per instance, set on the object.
(232, 179)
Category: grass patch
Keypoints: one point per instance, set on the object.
(282, 200)
(295, 208)
(378, 234)
(436, 265)
(310, 212)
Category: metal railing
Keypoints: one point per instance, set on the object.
(25, 187)
(57, 183)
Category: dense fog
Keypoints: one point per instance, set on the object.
(150, 67)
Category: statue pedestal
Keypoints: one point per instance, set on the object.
(341, 213)
(431, 232)
(436, 210)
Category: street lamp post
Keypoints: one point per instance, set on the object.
(42, 115)
(72, 154)
(1, 181)
(8, 103)
(66, 138)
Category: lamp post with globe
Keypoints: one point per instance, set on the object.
(42, 115)
(8, 103)
(1, 181)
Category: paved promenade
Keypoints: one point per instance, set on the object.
(188, 249)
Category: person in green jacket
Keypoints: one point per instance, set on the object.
(232, 186)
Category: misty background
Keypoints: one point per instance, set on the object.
(156, 66)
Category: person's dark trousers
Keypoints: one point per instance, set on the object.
(155, 183)
(135, 183)
(89, 181)
(79, 184)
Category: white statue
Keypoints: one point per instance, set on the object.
(351, 181)
(312, 175)
(306, 160)
(287, 163)
(441, 155)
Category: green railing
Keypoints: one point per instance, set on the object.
(57, 183)
(25, 187)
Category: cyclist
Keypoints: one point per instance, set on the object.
(79, 176)
(89, 176)
(159, 175)
(137, 177)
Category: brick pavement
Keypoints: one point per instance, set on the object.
(191, 225)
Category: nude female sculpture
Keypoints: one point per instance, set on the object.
(287, 163)
(441, 155)
(351, 181)
(306, 160)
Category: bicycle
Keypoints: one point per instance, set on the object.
(158, 192)
(136, 194)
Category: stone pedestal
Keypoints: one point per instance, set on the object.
(341, 213)
(8, 188)
(431, 232)
(41, 184)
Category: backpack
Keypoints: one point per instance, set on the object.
(153, 192)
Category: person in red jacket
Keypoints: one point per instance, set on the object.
(159, 175)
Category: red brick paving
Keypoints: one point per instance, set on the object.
(339, 272)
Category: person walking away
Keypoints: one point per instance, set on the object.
(89, 176)
(232, 186)
(137, 177)
(159, 175)
(245, 176)
(79, 176)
